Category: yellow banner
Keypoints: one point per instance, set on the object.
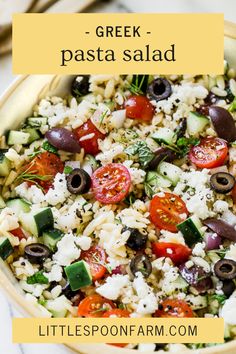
(118, 43)
(118, 330)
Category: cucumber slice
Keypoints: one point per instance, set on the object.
(37, 222)
(51, 237)
(78, 275)
(18, 137)
(169, 171)
(18, 205)
(36, 122)
(33, 134)
(178, 284)
(191, 230)
(6, 248)
(90, 160)
(155, 180)
(164, 135)
(5, 164)
(196, 123)
(2, 202)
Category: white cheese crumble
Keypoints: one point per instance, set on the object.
(67, 251)
(59, 192)
(113, 286)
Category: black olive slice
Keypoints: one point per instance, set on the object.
(80, 86)
(159, 89)
(78, 181)
(37, 253)
(222, 182)
(221, 228)
(225, 269)
(141, 264)
(136, 241)
(228, 287)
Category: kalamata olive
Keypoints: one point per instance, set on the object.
(120, 269)
(136, 240)
(225, 269)
(203, 109)
(36, 253)
(78, 181)
(211, 99)
(196, 277)
(159, 89)
(222, 182)
(181, 129)
(228, 287)
(80, 86)
(161, 154)
(63, 139)
(141, 263)
(221, 228)
(223, 123)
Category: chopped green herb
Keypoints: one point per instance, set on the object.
(232, 107)
(148, 190)
(145, 155)
(184, 144)
(67, 170)
(220, 298)
(130, 199)
(50, 148)
(102, 117)
(37, 278)
(139, 84)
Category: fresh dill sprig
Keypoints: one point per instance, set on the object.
(31, 176)
(138, 85)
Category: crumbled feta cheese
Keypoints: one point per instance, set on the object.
(228, 311)
(67, 251)
(55, 274)
(113, 286)
(167, 236)
(146, 347)
(231, 253)
(83, 242)
(59, 192)
(199, 249)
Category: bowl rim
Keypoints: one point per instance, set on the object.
(9, 290)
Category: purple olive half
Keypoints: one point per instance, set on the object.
(223, 123)
(63, 139)
(221, 228)
(196, 277)
(161, 154)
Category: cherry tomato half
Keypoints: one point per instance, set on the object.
(139, 107)
(88, 136)
(167, 211)
(211, 152)
(95, 257)
(94, 306)
(174, 308)
(117, 313)
(111, 183)
(175, 251)
(18, 233)
(46, 165)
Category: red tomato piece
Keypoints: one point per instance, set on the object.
(120, 314)
(167, 211)
(139, 107)
(94, 306)
(18, 233)
(111, 183)
(210, 153)
(175, 251)
(88, 136)
(45, 165)
(117, 312)
(174, 308)
(95, 257)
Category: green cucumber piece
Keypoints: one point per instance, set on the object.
(5, 164)
(37, 222)
(78, 275)
(196, 123)
(170, 171)
(191, 230)
(154, 179)
(18, 205)
(164, 135)
(90, 160)
(36, 122)
(178, 284)
(6, 248)
(33, 134)
(51, 237)
(18, 137)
